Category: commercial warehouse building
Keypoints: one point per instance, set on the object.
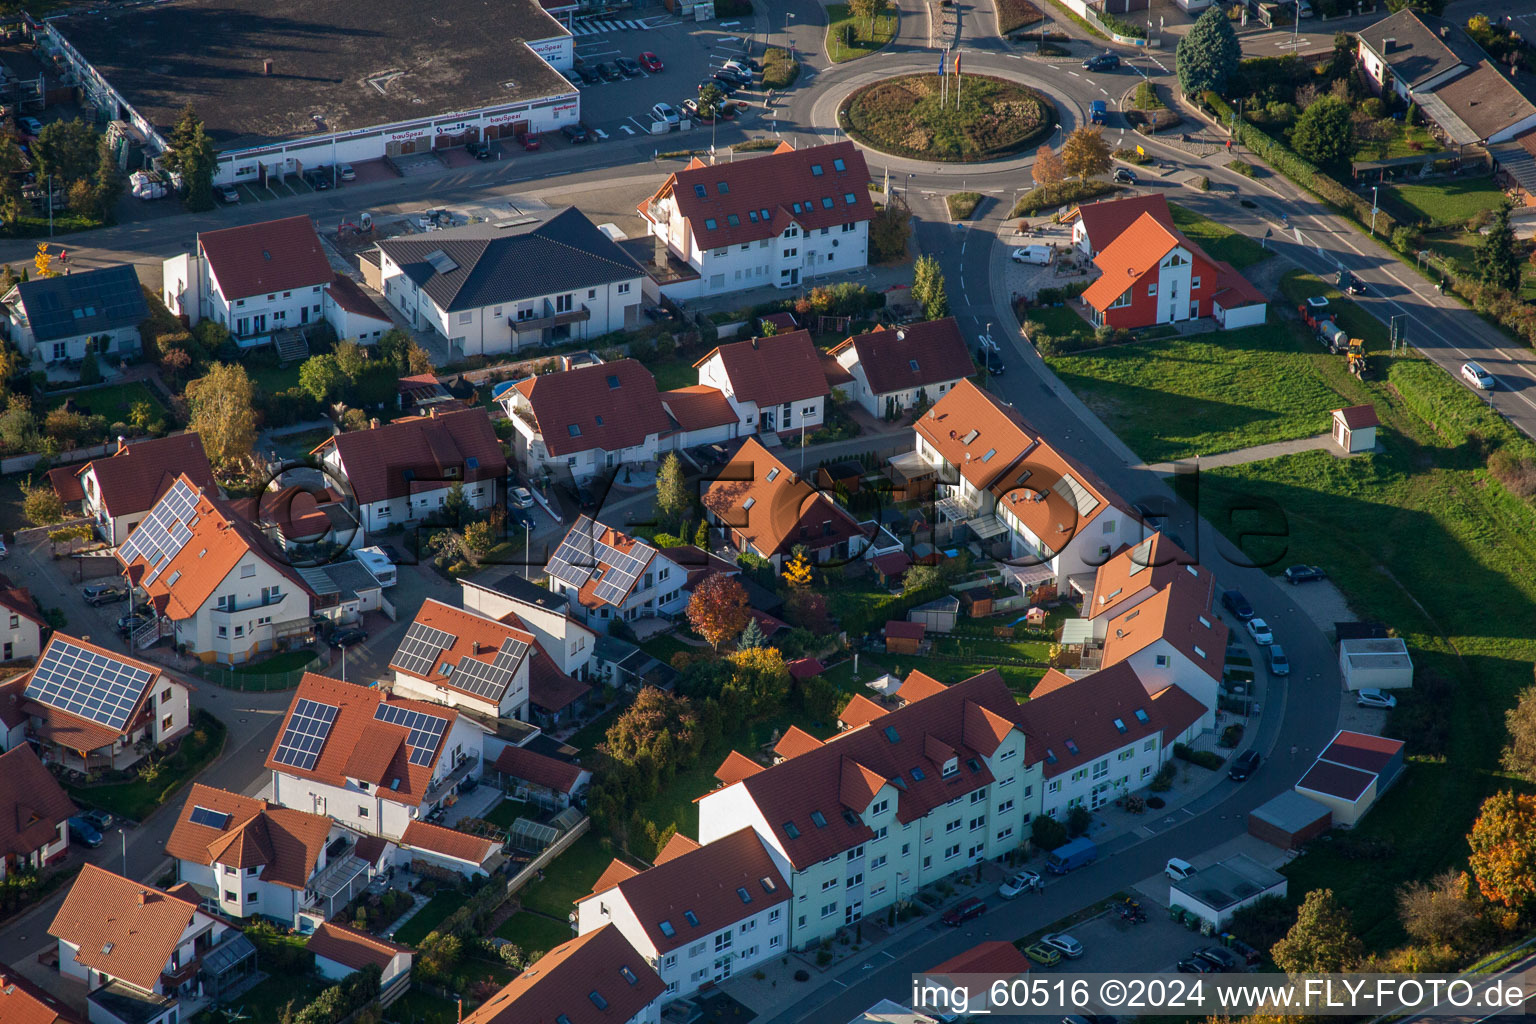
(285, 87)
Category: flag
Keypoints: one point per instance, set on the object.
(957, 67)
(941, 61)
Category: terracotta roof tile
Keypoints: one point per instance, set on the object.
(124, 929)
(968, 423)
(1106, 219)
(1089, 714)
(858, 786)
(805, 668)
(549, 772)
(356, 706)
(1358, 417)
(286, 843)
(1055, 497)
(32, 803)
(736, 767)
(919, 685)
(698, 407)
(22, 1002)
(12, 711)
(273, 256)
(386, 461)
(612, 875)
(476, 638)
(78, 733)
(1133, 572)
(1179, 613)
(785, 183)
(901, 629)
(560, 982)
(705, 883)
(447, 842)
(774, 515)
(1233, 289)
(793, 743)
(913, 356)
(375, 753)
(860, 711)
(1131, 254)
(996, 958)
(593, 532)
(65, 481)
(349, 295)
(549, 688)
(133, 479)
(1053, 680)
(19, 600)
(351, 948)
(774, 370)
(611, 406)
(678, 845)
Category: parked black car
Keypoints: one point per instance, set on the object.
(318, 180)
(589, 74)
(610, 71)
(1234, 602)
(585, 498)
(576, 133)
(347, 637)
(1305, 574)
(132, 623)
(479, 150)
(628, 65)
(1245, 765)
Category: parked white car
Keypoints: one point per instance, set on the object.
(1374, 699)
(1064, 944)
(1260, 631)
(1178, 869)
(522, 497)
(1022, 882)
(666, 112)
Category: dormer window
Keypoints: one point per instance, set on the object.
(951, 767)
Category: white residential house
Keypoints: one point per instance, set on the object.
(588, 420)
(774, 384)
(340, 951)
(781, 219)
(766, 509)
(606, 574)
(353, 313)
(702, 915)
(895, 370)
(34, 813)
(464, 660)
(55, 321)
(117, 491)
(21, 625)
(561, 660)
(373, 762)
(543, 278)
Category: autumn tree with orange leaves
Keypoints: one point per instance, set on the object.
(1503, 842)
(718, 609)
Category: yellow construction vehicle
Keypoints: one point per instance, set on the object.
(1359, 365)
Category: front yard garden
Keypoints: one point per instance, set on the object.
(158, 776)
(430, 916)
(1218, 240)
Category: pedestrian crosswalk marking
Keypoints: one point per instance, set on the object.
(598, 27)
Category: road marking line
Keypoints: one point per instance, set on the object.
(599, 133)
(626, 129)
(1074, 74)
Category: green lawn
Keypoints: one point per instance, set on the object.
(115, 402)
(1220, 241)
(1179, 397)
(506, 812)
(674, 374)
(1444, 202)
(569, 877)
(420, 1007)
(663, 646)
(429, 917)
(1020, 679)
(1419, 537)
(594, 732)
(865, 41)
(1405, 140)
(535, 932)
(1059, 321)
(272, 379)
(282, 661)
(135, 800)
(962, 205)
(300, 443)
(267, 1002)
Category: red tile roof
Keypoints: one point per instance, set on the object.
(901, 629)
(1107, 219)
(1133, 253)
(285, 843)
(704, 882)
(560, 982)
(349, 295)
(22, 1002)
(805, 668)
(772, 371)
(698, 407)
(1084, 713)
(1358, 417)
(351, 948)
(476, 638)
(968, 423)
(591, 532)
(793, 743)
(612, 875)
(549, 688)
(1148, 565)
(1362, 750)
(611, 406)
(1179, 613)
(259, 259)
(774, 515)
(919, 685)
(124, 929)
(32, 803)
(133, 479)
(736, 767)
(782, 323)
(860, 710)
(892, 563)
(1336, 780)
(297, 512)
(910, 357)
(768, 193)
(678, 845)
(530, 766)
(66, 483)
(355, 724)
(447, 843)
(12, 713)
(399, 458)
(1233, 289)
(19, 601)
(82, 734)
(1053, 496)
(996, 958)
(967, 717)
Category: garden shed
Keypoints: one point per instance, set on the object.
(937, 616)
(1354, 428)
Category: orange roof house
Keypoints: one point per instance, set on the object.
(596, 978)
(463, 659)
(766, 509)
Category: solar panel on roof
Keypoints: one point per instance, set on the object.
(573, 561)
(624, 568)
(426, 731)
(419, 649)
(162, 535)
(82, 682)
(489, 679)
(308, 728)
(211, 818)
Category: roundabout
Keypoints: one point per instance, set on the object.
(935, 118)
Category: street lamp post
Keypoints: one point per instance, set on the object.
(124, 834)
(1058, 136)
(1373, 210)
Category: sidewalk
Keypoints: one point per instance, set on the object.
(1258, 453)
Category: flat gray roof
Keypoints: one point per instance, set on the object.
(1291, 811)
(338, 65)
(1383, 645)
(1229, 882)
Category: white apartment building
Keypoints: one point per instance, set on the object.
(587, 420)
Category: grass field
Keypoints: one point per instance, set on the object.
(1297, 287)
(1420, 537)
(534, 932)
(673, 374)
(908, 116)
(1060, 321)
(865, 40)
(115, 402)
(506, 812)
(1444, 202)
(568, 877)
(962, 205)
(1179, 397)
(429, 917)
(1220, 241)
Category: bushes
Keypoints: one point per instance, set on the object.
(1243, 168)
(1131, 156)
(779, 70)
(1162, 782)
(962, 204)
(1047, 833)
(1122, 28)
(1061, 193)
(1203, 758)
(1013, 15)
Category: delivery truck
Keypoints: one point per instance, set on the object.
(1072, 856)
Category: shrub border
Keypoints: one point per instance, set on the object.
(1047, 124)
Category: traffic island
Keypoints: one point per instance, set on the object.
(928, 117)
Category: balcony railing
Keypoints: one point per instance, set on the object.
(459, 774)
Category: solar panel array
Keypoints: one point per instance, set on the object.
(489, 679)
(572, 561)
(308, 727)
(419, 650)
(85, 683)
(161, 536)
(624, 568)
(211, 818)
(426, 731)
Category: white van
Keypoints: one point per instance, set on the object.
(1178, 870)
(1039, 255)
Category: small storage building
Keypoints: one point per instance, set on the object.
(339, 951)
(938, 615)
(1351, 772)
(1289, 820)
(1354, 429)
(904, 637)
(443, 852)
(1375, 664)
(1215, 893)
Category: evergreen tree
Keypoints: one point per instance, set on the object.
(752, 636)
(672, 498)
(1497, 264)
(109, 181)
(701, 536)
(1325, 134)
(1208, 54)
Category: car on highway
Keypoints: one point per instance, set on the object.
(347, 637)
(576, 133)
(97, 594)
(668, 113)
(522, 497)
(1221, 959)
(1304, 574)
(1279, 664)
(1125, 175)
(1102, 62)
(1064, 944)
(1234, 602)
(82, 831)
(650, 61)
(589, 74)
(1042, 954)
(1244, 765)
(1019, 882)
(628, 65)
(1374, 699)
(1098, 111)
(610, 71)
(226, 194)
(1474, 374)
(965, 910)
(1260, 631)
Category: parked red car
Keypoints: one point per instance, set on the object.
(971, 906)
(530, 142)
(650, 61)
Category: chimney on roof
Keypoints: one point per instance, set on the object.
(373, 424)
(266, 67)
(143, 895)
(476, 647)
(754, 343)
(122, 443)
(1445, 31)
(901, 335)
(1388, 44)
